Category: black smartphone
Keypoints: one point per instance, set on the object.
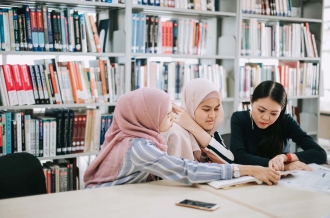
(198, 205)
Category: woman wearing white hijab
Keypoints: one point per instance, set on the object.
(194, 134)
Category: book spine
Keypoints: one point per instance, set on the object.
(16, 29)
(11, 29)
(34, 84)
(28, 28)
(27, 132)
(95, 34)
(25, 75)
(40, 28)
(63, 32)
(9, 133)
(82, 24)
(14, 136)
(43, 82)
(77, 31)
(23, 131)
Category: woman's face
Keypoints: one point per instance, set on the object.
(265, 112)
(207, 112)
(168, 121)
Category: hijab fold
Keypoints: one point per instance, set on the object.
(180, 142)
(138, 114)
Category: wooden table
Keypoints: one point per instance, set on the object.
(276, 200)
(155, 199)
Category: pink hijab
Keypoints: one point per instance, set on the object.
(180, 142)
(138, 114)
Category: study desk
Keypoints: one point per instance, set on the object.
(154, 199)
(277, 200)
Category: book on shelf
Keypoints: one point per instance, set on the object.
(200, 5)
(59, 131)
(152, 34)
(221, 184)
(37, 28)
(272, 39)
(51, 82)
(298, 78)
(268, 7)
(170, 76)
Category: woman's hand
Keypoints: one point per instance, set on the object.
(182, 118)
(264, 174)
(277, 163)
(297, 165)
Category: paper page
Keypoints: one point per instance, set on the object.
(317, 180)
(232, 182)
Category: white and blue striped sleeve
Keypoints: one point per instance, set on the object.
(147, 157)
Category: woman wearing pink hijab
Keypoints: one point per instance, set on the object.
(134, 150)
(203, 115)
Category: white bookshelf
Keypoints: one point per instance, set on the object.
(85, 154)
(227, 22)
(308, 104)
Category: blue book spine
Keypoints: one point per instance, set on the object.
(142, 33)
(63, 26)
(28, 27)
(108, 123)
(40, 30)
(138, 35)
(16, 29)
(50, 31)
(103, 130)
(133, 35)
(2, 31)
(8, 133)
(150, 2)
(157, 2)
(137, 76)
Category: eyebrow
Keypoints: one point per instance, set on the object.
(266, 109)
(169, 113)
(210, 106)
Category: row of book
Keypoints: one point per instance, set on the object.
(298, 78)
(107, 1)
(152, 34)
(200, 5)
(266, 39)
(51, 82)
(171, 76)
(268, 7)
(57, 132)
(60, 176)
(39, 29)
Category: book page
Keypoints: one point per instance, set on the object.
(317, 180)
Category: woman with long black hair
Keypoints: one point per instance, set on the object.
(260, 136)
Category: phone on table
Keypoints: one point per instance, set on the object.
(198, 205)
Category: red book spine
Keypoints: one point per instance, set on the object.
(10, 84)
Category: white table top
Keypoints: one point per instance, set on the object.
(155, 199)
(277, 200)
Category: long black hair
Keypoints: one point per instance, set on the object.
(272, 142)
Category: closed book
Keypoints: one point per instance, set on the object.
(10, 84)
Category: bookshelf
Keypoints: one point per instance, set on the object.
(311, 12)
(223, 24)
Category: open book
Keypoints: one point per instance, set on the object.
(242, 180)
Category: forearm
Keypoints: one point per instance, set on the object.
(200, 135)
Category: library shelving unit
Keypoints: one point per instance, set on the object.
(310, 12)
(26, 57)
(224, 23)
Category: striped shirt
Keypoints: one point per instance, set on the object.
(144, 158)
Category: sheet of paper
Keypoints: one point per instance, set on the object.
(317, 180)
